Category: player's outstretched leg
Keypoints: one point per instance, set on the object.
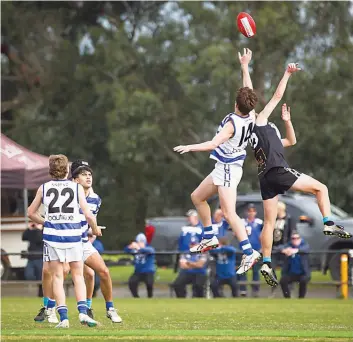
(96, 263)
(199, 197)
(270, 214)
(227, 199)
(308, 184)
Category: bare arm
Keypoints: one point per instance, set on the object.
(262, 118)
(91, 219)
(290, 138)
(225, 134)
(244, 62)
(32, 210)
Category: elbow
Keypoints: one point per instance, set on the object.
(293, 142)
(30, 213)
(213, 145)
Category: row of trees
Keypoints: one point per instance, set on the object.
(121, 83)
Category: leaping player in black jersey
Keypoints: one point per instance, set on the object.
(276, 177)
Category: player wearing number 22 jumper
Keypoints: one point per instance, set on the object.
(62, 234)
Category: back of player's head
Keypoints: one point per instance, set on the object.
(78, 166)
(246, 100)
(58, 166)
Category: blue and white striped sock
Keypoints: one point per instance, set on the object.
(62, 310)
(51, 303)
(208, 232)
(82, 307)
(246, 247)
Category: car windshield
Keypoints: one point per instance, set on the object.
(338, 213)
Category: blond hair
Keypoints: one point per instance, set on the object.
(58, 166)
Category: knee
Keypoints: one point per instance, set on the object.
(66, 270)
(104, 273)
(322, 188)
(194, 198)
(89, 273)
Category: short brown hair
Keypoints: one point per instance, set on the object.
(58, 166)
(246, 100)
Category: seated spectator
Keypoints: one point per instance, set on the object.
(190, 231)
(296, 266)
(144, 262)
(253, 226)
(225, 269)
(219, 224)
(192, 271)
(34, 267)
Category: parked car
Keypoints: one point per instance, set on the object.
(304, 209)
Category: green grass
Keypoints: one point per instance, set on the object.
(191, 320)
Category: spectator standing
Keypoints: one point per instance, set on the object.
(225, 269)
(192, 230)
(192, 270)
(296, 265)
(33, 270)
(144, 262)
(253, 226)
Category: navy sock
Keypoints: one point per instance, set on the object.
(82, 307)
(109, 305)
(51, 303)
(62, 310)
(246, 247)
(328, 221)
(208, 232)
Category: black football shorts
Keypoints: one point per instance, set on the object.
(277, 181)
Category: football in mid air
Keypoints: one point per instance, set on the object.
(246, 25)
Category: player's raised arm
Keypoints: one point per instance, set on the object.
(262, 118)
(290, 138)
(32, 210)
(244, 62)
(225, 134)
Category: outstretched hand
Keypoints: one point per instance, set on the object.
(292, 68)
(182, 149)
(246, 57)
(285, 112)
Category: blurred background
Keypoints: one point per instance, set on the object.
(119, 84)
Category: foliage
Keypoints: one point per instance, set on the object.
(161, 74)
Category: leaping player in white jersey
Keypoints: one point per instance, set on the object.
(228, 150)
(62, 234)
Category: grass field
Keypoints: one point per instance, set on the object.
(191, 320)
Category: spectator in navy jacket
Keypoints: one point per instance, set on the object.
(253, 226)
(144, 262)
(225, 269)
(296, 266)
(192, 271)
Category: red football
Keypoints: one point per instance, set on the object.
(246, 25)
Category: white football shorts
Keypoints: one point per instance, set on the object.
(88, 250)
(63, 255)
(227, 175)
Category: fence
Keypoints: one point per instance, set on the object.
(345, 281)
